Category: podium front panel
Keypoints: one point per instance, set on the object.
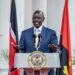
(52, 60)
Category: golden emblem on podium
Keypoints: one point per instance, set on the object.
(37, 60)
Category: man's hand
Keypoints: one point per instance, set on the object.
(53, 47)
(16, 47)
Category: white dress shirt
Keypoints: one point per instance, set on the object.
(38, 29)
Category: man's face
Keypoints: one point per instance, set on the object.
(37, 19)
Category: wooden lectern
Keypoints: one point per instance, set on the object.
(52, 61)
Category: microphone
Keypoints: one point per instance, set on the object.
(36, 40)
(34, 36)
(39, 36)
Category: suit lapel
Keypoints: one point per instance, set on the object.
(32, 31)
(43, 34)
(31, 35)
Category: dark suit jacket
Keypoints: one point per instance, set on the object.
(48, 36)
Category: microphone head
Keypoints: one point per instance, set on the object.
(33, 37)
(39, 35)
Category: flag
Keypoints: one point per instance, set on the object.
(13, 35)
(65, 45)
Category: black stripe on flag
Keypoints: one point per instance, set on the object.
(13, 20)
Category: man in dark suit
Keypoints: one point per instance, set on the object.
(48, 41)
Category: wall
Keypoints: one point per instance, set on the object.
(4, 22)
(54, 14)
(28, 13)
(4, 25)
(41, 5)
(72, 28)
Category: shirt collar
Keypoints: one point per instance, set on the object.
(40, 28)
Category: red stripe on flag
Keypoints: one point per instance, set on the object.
(15, 72)
(65, 32)
(11, 52)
